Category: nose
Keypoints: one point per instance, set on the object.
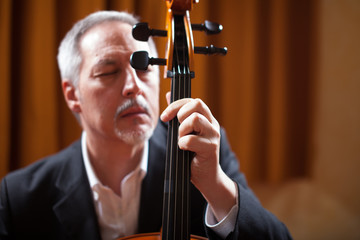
(131, 84)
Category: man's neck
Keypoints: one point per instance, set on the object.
(113, 159)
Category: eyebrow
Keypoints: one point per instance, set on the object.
(105, 61)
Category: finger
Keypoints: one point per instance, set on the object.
(195, 105)
(173, 108)
(196, 124)
(203, 147)
(198, 135)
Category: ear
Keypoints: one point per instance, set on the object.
(71, 95)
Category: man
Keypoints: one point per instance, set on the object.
(109, 184)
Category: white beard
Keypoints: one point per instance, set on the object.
(134, 136)
(128, 135)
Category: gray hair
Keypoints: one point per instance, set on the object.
(69, 57)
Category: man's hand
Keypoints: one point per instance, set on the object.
(199, 132)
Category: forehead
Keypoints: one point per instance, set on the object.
(110, 37)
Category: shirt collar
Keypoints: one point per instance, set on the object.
(93, 180)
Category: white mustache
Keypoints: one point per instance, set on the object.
(139, 101)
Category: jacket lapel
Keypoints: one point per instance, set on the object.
(74, 207)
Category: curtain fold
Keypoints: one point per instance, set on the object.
(260, 92)
(5, 59)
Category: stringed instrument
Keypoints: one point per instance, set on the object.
(179, 65)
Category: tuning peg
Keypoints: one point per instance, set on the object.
(140, 60)
(210, 50)
(208, 27)
(142, 32)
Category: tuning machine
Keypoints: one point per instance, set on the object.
(211, 50)
(142, 32)
(140, 60)
(209, 28)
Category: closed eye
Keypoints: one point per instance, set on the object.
(105, 67)
(107, 73)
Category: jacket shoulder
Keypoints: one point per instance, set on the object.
(43, 172)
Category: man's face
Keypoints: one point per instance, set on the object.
(116, 101)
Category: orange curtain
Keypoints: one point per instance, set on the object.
(261, 92)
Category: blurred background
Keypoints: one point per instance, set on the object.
(287, 93)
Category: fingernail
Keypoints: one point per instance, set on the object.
(163, 115)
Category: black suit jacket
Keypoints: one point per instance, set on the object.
(52, 199)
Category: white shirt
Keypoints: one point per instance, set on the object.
(118, 216)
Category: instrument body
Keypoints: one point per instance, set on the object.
(155, 236)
